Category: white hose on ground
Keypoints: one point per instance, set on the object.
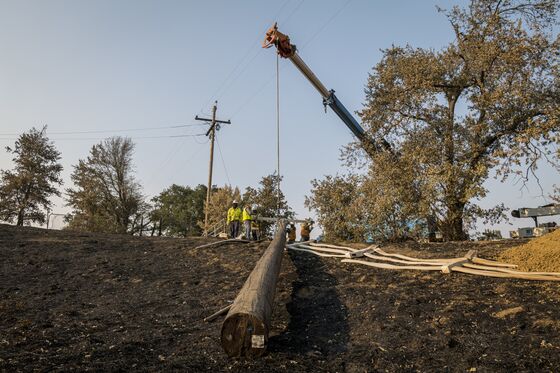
(331, 246)
(392, 266)
(417, 262)
(476, 266)
(315, 253)
(328, 250)
(503, 270)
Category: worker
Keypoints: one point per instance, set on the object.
(233, 217)
(255, 228)
(306, 228)
(291, 233)
(247, 218)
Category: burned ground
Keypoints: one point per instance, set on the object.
(77, 301)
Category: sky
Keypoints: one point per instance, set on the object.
(145, 69)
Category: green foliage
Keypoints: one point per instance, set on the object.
(220, 201)
(178, 210)
(265, 197)
(333, 198)
(25, 190)
(106, 197)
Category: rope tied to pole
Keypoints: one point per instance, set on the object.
(278, 178)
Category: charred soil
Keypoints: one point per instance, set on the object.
(78, 301)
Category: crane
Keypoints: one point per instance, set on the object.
(287, 50)
(535, 212)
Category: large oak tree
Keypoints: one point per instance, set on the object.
(489, 101)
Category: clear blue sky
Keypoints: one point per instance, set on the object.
(122, 65)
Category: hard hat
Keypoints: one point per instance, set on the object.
(234, 201)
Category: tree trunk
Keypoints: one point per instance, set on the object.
(21, 214)
(453, 227)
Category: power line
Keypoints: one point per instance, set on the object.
(271, 78)
(108, 131)
(170, 156)
(223, 87)
(223, 162)
(256, 93)
(103, 138)
(251, 47)
(260, 50)
(335, 14)
(293, 12)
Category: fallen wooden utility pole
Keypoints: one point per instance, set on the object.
(246, 326)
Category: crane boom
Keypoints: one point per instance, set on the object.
(286, 50)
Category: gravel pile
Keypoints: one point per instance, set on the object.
(540, 254)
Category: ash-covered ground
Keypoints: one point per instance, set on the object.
(88, 302)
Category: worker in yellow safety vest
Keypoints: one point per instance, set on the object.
(291, 233)
(306, 229)
(233, 219)
(247, 218)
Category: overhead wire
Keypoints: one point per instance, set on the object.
(214, 96)
(285, 20)
(230, 84)
(223, 162)
(109, 131)
(271, 78)
(335, 14)
(103, 138)
(171, 155)
(259, 51)
(174, 152)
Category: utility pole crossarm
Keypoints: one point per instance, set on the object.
(213, 122)
(210, 120)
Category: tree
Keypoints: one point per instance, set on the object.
(25, 190)
(178, 210)
(334, 201)
(220, 201)
(381, 205)
(264, 198)
(106, 196)
(489, 101)
(268, 203)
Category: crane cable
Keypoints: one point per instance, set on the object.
(278, 135)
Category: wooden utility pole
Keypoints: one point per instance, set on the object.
(214, 126)
(247, 324)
